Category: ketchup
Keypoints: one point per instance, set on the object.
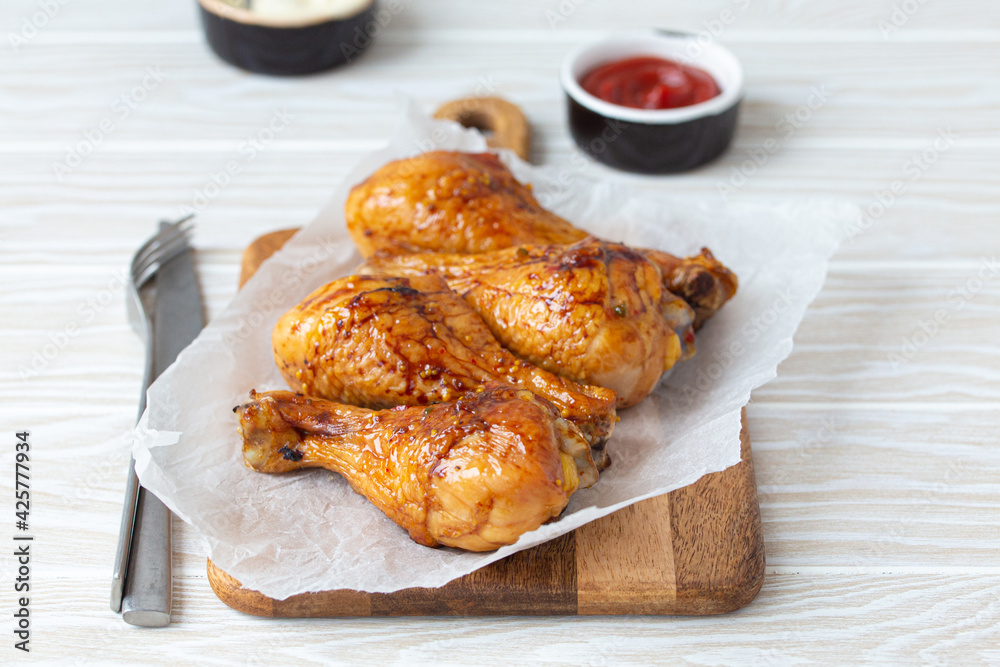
(647, 82)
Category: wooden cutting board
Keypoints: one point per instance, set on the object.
(696, 551)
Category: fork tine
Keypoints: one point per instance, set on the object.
(169, 232)
(148, 251)
(154, 240)
(164, 253)
(164, 241)
(154, 260)
(140, 265)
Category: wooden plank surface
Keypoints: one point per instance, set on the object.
(838, 100)
(696, 551)
(945, 219)
(859, 320)
(881, 531)
(836, 617)
(119, 19)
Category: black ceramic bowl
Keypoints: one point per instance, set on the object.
(661, 141)
(271, 39)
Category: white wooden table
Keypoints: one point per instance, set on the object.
(877, 447)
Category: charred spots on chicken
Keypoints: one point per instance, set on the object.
(619, 251)
(363, 299)
(290, 454)
(399, 289)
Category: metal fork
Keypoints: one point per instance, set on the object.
(170, 242)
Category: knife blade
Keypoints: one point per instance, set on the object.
(177, 320)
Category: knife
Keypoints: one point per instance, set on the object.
(177, 320)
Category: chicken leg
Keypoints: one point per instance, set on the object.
(594, 312)
(475, 473)
(380, 342)
(446, 201)
(449, 202)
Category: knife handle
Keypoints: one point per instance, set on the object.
(147, 593)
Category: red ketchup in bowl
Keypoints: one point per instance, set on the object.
(648, 82)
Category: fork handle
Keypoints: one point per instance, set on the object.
(132, 486)
(125, 538)
(144, 548)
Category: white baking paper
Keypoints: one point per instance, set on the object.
(307, 531)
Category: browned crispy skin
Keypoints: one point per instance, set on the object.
(446, 201)
(449, 202)
(475, 473)
(379, 342)
(594, 312)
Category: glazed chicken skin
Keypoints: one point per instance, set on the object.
(593, 312)
(379, 342)
(447, 201)
(475, 473)
(452, 202)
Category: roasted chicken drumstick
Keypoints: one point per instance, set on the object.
(449, 202)
(446, 201)
(380, 342)
(474, 473)
(594, 312)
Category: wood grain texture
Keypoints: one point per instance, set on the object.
(861, 318)
(885, 488)
(945, 218)
(879, 487)
(839, 101)
(696, 551)
(549, 18)
(832, 618)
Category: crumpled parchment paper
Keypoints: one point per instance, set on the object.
(307, 531)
